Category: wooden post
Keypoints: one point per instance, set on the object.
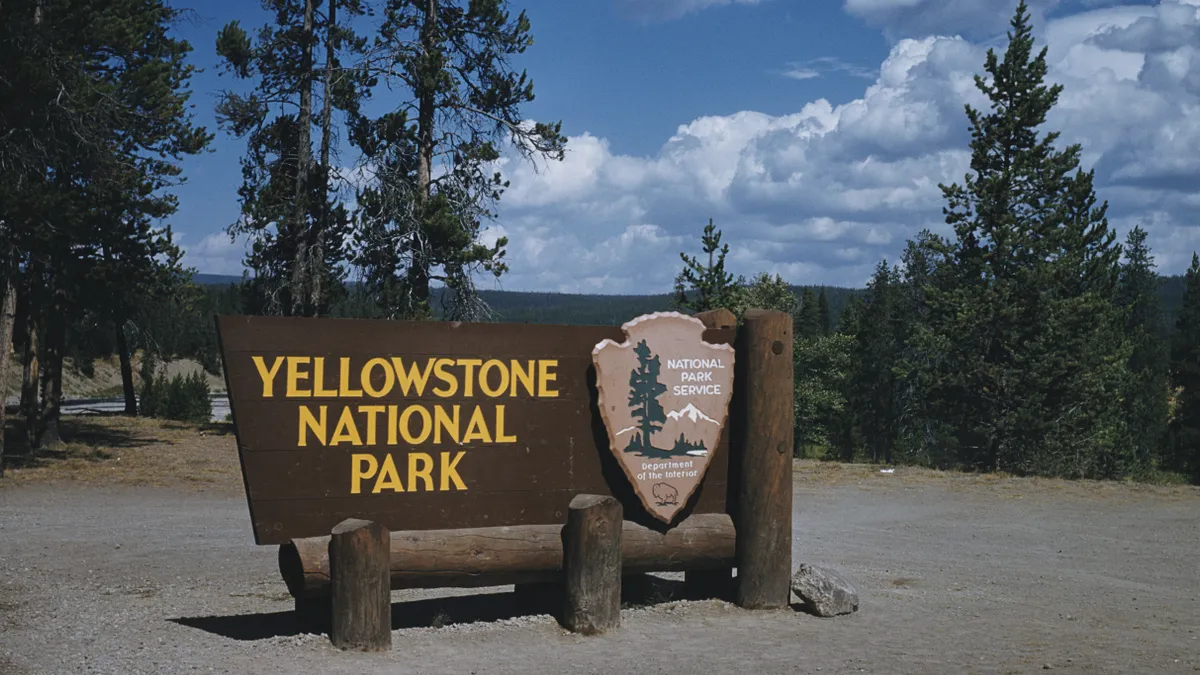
(592, 564)
(713, 583)
(359, 560)
(762, 409)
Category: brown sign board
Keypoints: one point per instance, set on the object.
(424, 425)
(664, 396)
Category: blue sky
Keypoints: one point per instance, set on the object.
(813, 133)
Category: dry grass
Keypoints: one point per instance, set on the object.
(117, 450)
(818, 473)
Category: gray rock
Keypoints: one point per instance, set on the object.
(824, 592)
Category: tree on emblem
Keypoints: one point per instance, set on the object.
(644, 390)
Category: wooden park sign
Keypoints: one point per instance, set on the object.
(664, 396)
(473, 446)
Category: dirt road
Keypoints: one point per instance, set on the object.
(956, 575)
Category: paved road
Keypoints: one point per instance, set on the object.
(91, 406)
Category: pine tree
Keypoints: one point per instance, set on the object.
(1032, 363)
(1146, 399)
(918, 436)
(432, 178)
(823, 319)
(99, 120)
(876, 351)
(1185, 377)
(808, 321)
(701, 287)
(290, 207)
(767, 292)
(644, 390)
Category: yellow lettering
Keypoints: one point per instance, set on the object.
(389, 378)
(411, 377)
(393, 422)
(469, 375)
(310, 423)
(545, 377)
(490, 365)
(294, 376)
(372, 414)
(450, 473)
(319, 389)
(524, 376)
(426, 426)
(358, 472)
(500, 437)
(439, 369)
(477, 428)
(344, 389)
(414, 473)
(389, 478)
(347, 430)
(443, 421)
(267, 375)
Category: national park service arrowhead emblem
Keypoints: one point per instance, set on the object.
(664, 396)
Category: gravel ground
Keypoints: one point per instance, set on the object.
(956, 575)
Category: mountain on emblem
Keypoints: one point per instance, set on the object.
(664, 396)
(693, 413)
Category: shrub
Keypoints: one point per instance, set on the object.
(185, 399)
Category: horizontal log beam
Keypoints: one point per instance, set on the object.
(499, 556)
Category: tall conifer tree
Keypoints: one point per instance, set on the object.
(1185, 375)
(1032, 360)
(1146, 399)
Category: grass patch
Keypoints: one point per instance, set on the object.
(120, 450)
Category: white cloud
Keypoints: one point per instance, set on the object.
(801, 73)
(983, 19)
(215, 254)
(820, 195)
(807, 70)
(666, 10)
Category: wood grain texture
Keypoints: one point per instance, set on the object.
(592, 564)
(360, 592)
(764, 437)
(524, 554)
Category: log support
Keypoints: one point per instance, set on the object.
(359, 559)
(762, 415)
(592, 564)
(521, 554)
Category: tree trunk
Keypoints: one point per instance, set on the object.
(301, 266)
(126, 368)
(31, 375)
(418, 270)
(8, 310)
(56, 336)
(318, 251)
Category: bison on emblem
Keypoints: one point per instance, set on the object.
(665, 494)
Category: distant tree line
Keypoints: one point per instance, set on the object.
(1029, 341)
